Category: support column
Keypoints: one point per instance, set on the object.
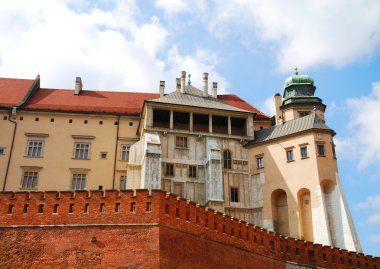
(229, 125)
(210, 123)
(191, 121)
(171, 119)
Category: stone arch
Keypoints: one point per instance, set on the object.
(305, 214)
(280, 212)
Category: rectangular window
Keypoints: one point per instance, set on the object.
(82, 151)
(333, 151)
(234, 197)
(304, 113)
(260, 162)
(181, 142)
(303, 152)
(29, 180)
(192, 171)
(103, 155)
(2, 151)
(78, 182)
(123, 182)
(289, 155)
(169, 169)
(34, 148)
(321, 150)
(125, 152)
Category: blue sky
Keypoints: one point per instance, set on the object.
(248, 46)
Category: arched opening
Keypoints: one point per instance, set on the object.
(305, 215)
(280, 212)
(328, 190)
(227, 159)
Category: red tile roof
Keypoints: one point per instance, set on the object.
(12, 90)
(236, 101)
(89, 101)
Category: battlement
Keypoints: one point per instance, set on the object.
(143, 207)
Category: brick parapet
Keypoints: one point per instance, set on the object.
(142, 207)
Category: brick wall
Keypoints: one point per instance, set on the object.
(142, 230)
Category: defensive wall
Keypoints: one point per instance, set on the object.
(146, 229)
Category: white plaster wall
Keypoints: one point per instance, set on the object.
(319, 215)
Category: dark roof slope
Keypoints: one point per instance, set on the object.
(312, 121)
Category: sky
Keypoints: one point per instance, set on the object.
(248, 46)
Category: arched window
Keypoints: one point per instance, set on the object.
(227, 159)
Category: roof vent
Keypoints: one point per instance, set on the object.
(183, 81)
(178, 84)
(78, 85)
(215, 89)
(162, 88)
(205, 87)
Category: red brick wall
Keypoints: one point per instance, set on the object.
(178, 231)
(183, 250)
(71, 247)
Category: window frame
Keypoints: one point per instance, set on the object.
(181, 142)
(82, 176)
(34, 147)
(2, 151)
(303, 152)
(260, 162)
(291, 152)
(123, 182)
(323, 152)
(34, 184)
(234, 194)
(167, 169)
(125, 150)
(302, 114)
(192, 171)
(88, 155)
(227, 159)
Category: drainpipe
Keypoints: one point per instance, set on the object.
(11, 149)
(114, 160)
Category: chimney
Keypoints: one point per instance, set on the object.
(277, 103)
(162, 88)
(178, 84)
(205, 87)
(215, 89)
(183, 80)
(78, 86)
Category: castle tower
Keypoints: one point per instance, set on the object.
(298, 99)
(296, 163)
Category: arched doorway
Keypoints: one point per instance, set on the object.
(280, 212)
(305, 214)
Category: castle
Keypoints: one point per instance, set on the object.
(279, 173)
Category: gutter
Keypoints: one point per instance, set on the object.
(11, 149)
(114, 160)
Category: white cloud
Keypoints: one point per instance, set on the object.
(268, 106)
(109, 48)
(305, 33)
(372, 202)
(365, 113)
(374, 219)
(181, 6)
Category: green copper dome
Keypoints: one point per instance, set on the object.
(298, 86)
(298, 79)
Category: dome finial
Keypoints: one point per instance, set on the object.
(296, 69)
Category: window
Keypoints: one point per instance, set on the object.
(103, 155)
(333, 151)
(125, 152)
(321, 150)
(82, 151)
(234, 197)
(304, 113)
(181, 142)
(289, 155)
(34, 148)
(260, 162)
(192, 171)
(2, 151)
(78, 182)
(169, 169)
(227, 160)
(303, 152)
(123, 182)
(29, 180)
